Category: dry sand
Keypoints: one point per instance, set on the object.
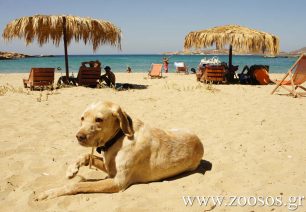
(255, 142)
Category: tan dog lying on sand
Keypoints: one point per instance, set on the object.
(132, 152)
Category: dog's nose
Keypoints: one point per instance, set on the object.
(81, 137)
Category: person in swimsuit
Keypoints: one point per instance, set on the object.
(166, 64)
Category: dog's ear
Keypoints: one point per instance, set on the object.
(125, 121)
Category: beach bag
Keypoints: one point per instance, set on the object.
(179, 64)
(259, 74)
(262, 76)
(245, 78)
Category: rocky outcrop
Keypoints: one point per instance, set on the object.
(226, 51)
(200, 52)
(12, 55)
(298, 52)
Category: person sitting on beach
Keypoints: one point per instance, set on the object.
(129, 70)
(109, 77)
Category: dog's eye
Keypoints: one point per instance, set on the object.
(99, 120)
(82, 118)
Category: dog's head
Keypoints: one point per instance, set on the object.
(100, 122)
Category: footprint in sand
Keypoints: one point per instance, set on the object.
(11, 184)
(17, 165)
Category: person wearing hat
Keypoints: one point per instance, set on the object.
(109, 77)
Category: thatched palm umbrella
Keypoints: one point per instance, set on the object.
(44, 28)
(240, 38)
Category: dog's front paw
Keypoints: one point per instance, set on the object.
(50, 194)
(72, 171)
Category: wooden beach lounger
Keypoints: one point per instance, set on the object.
(295, 79)
(89, 76)
(156, 71)
(181, 67)
(39, 77)
(214, 73)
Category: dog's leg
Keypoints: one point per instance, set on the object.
(103, 186)
(84, 161)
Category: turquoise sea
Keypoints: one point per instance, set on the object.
(138, 63)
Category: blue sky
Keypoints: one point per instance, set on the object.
(159, 25)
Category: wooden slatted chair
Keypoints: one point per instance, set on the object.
(214, 74)
(297, 76)
(181, 67)
(88, 76)
(41, 77)
(156, 71)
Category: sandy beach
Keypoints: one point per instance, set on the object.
(254, 143)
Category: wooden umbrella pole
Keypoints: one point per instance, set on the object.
(65, 47)
(230, 57)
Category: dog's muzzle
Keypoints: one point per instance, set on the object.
(81, 137)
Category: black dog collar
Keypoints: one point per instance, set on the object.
(110, 143)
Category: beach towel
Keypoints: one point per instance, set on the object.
(210, 61)
(179, 64)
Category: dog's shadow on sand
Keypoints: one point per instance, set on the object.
(203, 167)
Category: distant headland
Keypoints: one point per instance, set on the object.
(14, 55)
(225, 52)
